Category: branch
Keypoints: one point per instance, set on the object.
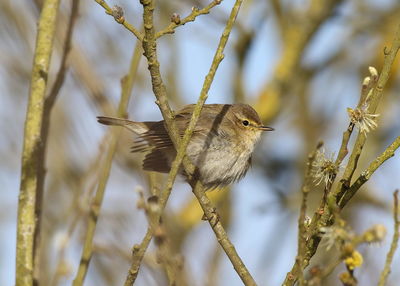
(44, 132)
(127, 84)
(160, 92)
(343, 150)
(297, 270)
(177, 22)
(149, 46)
(366, 90)
(222, 237)
(118, 15)
(366, 175)
(150, 52)
(27, 220)
(375, 97)
(395, 241)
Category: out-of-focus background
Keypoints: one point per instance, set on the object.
(299, 63)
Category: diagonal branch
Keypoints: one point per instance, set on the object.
(222, 237)
(302, 231)
(364, 177)
(149, 47)
(177, 22)
(118, 15)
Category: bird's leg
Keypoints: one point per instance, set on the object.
(214, 219)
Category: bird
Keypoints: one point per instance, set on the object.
(220, 148)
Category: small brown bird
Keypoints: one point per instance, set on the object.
(220, 147)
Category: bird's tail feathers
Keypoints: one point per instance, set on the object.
(136, 127)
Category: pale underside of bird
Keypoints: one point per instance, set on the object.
(220, 147)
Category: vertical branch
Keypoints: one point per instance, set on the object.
(26, 225)
(44, 133)
(395, 241)
(150, 52)
(297, 270)
(127, 84)
(302, 235)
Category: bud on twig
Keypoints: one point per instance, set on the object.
(175, 18)
(141, 203)
(366, 82)
(153, 206)
(373, 72)
(159, 235)
(118, 14)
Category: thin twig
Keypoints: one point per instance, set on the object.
(127, 85)
(302, 235)
(395, 241)
(297, 270)
(343, 150)
(27, 220)
(138, 251)
(171, 263)
(175, 23)
(366, 175)
(118, 15)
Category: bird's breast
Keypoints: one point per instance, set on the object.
(220, 161)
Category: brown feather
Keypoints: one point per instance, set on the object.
(156, 161)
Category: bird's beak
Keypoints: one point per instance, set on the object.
(265, 128)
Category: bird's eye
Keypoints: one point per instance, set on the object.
(245, 122)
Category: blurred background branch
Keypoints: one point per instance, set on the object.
(395, 240)
(126, 90)
(30, 194)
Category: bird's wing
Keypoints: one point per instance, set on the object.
(156, 160)
(149, 133)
